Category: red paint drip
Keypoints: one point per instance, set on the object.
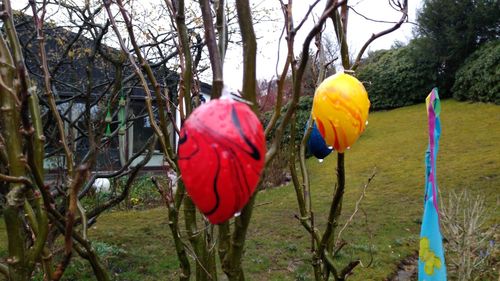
(321, 128)
(336, 142)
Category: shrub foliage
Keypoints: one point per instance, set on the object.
(479, 77)
(302, 114)
(453, 31)
(398, 77)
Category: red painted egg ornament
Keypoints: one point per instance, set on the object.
(221, 156)
(340, 109)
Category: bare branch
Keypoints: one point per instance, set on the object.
(72, 209)
(356, 207)
(369, 19)
(13, 179)
(126, 189)
(288, 26)
(161, 132)
(249, 51)
(332, 5)
(48, 89)
(346, 271)
(311, 7)
(215, 55)
(125, 169)
(4, 270)
(403, 8)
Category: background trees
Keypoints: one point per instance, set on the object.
(447, 32)
(455, 29)
(478, 78)
(399, 76)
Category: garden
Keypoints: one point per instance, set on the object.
(125, 155)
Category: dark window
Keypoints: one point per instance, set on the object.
(142, 125)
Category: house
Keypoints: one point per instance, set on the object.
(80, 79)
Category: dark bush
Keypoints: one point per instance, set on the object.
(478, 79)
(277, 172)
(302, 114)
(398, 77)
(142, 194)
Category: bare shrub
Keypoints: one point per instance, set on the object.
(472, 245)
(277, 172)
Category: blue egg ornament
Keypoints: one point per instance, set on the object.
(316, 144)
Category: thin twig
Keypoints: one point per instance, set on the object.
(48, 88)
(370, 240)
(369, 19)
(4, 269)
(356, 208)
(297, 85)
(311, 7)
(404, 16)
(161, 130)
(288, 26)
(263, 204)
(214, 51)
(13, 179)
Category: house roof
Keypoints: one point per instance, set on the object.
(68, 56)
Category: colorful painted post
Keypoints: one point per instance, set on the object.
(431, 264)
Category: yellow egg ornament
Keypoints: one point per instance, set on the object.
(340, 109)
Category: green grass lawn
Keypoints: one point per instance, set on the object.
(137, 244)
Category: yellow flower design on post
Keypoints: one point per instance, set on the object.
(428, 257)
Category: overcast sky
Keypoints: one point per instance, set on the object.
(359, 30)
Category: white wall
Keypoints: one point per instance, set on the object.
(178, 119)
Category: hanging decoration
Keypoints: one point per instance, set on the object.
(121, 114)
(340, 110)
(108, 119)
(316, 144)
(221, 157)
(122, 130)
(431, 265)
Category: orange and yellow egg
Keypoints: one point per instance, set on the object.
(340, 109)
